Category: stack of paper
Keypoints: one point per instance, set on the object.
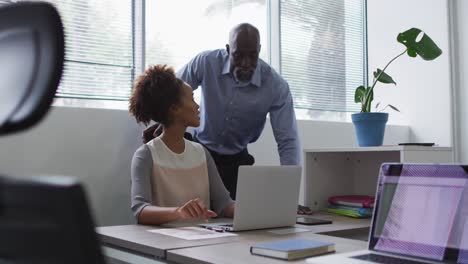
(358, 206)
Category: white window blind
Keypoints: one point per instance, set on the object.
(177, 30)
(98, 49)
(99, 57)
(323, 52)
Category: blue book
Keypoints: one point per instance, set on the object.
(292, 248)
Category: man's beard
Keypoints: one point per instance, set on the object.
(243, 76)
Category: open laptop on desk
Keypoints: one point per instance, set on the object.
(420, 217)
(266, 197)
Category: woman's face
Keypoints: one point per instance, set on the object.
(187, 111)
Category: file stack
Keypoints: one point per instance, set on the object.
(358, 206)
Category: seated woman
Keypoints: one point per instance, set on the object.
(172, 178)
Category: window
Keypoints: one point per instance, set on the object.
(206, 25)
(323, 52)
(99, 50)
(318, 46)
(99, 61)
(177, 30)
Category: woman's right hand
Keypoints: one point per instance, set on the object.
(194, 208)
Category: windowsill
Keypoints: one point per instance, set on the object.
(89, 103)
(395, 118)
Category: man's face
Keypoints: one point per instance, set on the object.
(243, 55)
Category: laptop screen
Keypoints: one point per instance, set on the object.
(421, 211)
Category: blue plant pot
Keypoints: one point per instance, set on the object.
(370, 128)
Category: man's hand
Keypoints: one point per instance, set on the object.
(194, 208)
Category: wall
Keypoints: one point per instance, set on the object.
(316, 134)
(459, 11)
(423, 87)
(95, 145)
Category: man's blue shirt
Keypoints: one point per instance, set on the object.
(233, 114)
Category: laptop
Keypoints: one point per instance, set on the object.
(266, 197)
(420, 216)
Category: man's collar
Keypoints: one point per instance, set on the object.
(256, 78)
(226, 66)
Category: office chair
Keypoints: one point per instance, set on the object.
(32, 54)
(42, 219)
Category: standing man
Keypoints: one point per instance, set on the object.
(238, 91)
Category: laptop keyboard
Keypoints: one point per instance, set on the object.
(385, 259)
(229, 225)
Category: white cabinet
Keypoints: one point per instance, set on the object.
(343, 171)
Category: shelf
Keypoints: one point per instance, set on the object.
(354, 171)
(380, 148)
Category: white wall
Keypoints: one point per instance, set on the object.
(319, 134)
(423, 87)
(459, 31)
(95, 145)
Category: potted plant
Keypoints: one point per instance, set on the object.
(370, 126)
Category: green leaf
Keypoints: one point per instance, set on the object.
(359, 94)
(411, 52)
(383, 77)
(425, 47)
(394, 108)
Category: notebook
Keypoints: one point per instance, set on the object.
(353, 200)
(292, 248)
(420, 216)
(267, 197)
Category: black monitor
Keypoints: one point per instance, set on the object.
(46, 220)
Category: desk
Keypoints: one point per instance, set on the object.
(134, 244)
(137, 239)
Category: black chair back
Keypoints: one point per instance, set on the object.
(31, 63)
(46, 220)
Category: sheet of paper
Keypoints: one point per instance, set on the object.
(191, 233)
(289, 230)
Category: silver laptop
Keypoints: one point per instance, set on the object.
(421, 216)
(266, 197)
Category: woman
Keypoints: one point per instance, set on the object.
(172, 178)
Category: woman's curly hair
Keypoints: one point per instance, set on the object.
(154, 92)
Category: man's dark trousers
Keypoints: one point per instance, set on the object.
(228, 168)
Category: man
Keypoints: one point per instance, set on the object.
(238, 91)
